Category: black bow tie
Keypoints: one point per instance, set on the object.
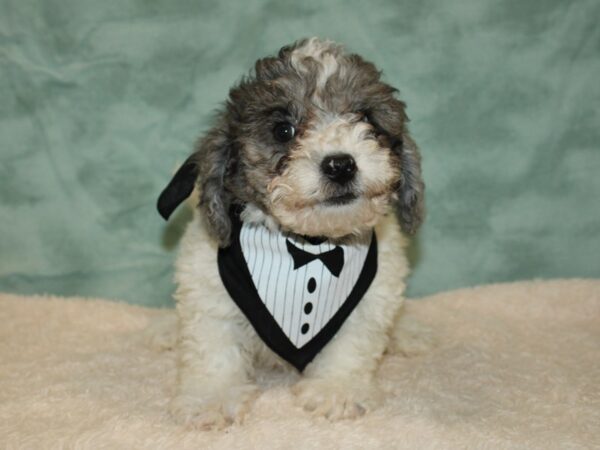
(333, 259)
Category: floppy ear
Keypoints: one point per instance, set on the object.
(411, 189)
(209, 164)
(215, 156)
(389, 115)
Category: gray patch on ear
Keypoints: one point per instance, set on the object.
(410, 205)
(214, 154)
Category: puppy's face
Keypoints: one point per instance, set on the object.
(316, 141)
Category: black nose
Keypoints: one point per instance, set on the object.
(340, 167)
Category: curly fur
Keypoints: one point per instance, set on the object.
(337, 103)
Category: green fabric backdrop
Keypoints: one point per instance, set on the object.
(99, 101)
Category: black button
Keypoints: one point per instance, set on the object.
(304, 328)
(312, 285)
(308, 308)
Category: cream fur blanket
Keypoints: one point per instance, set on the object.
(515, 366)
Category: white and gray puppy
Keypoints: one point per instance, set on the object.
(311, 144)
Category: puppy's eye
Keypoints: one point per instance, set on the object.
(365, 117)
(284, 131)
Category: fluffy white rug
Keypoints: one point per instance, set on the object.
(516, 366)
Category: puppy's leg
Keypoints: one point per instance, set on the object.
(340, 382)
(214, 388)
(215, 343)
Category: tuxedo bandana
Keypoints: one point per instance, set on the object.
(295, 291)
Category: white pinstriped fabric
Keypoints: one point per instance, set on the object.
(301, 301)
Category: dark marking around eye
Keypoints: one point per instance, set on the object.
(281, 164)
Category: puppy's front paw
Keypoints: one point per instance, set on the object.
(337, 399)
(211, 410)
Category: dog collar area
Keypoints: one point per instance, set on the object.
(296, 291)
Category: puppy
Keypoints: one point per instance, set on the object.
(308, 183)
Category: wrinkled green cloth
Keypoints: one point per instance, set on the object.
(99, 102)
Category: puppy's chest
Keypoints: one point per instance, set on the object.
(302, 284)
(296, 293)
